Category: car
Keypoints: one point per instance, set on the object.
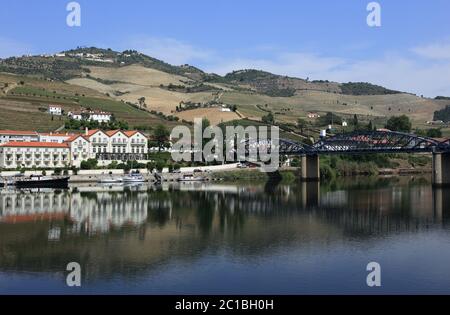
(197, 170)
(242, 165)
(176, 171)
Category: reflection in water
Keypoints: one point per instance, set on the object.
(141, 231)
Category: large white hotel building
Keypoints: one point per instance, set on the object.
(29, 149)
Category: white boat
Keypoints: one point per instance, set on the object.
(191, 178)
(111, 180)
(134, 178)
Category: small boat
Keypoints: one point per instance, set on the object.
(191, 178)
(134, 178)
(111, 180)
(40, 181)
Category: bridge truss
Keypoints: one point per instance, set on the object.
(357, 142)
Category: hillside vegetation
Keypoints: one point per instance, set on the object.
(144, 90)
(24, 101)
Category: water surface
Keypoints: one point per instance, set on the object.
(253, 238)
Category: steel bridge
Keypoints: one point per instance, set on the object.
(363, 142)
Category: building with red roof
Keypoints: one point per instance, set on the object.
(57, 150)
(18, 135)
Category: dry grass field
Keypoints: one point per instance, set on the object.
(370, 106)
(129, 83)
(133, 82)
(137, 75)
(214, 115)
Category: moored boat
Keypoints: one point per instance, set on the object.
(111, 180)
(134, 178)
(191, 178)
(38, 181)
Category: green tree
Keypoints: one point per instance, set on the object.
(268, 119)
(301, 124)
(89, 164)
(142, 102)
(434, 133)
(161, 135)
(160, 166)
(355, 121)
(399, 123)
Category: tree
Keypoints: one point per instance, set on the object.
(161, 135)
(355, 121)
(160, 166)
(268, 119)
(301, 124)
(329, 119)
(399, 123)
(434, 133)
(142, 102)
(89, 164)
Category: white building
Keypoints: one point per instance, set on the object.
(313, 115)
(95, 115)
(80, 150)
(54, 137)
(55, 110)
(34, 154)
(18, 136)
(52, 150)
(117, 145)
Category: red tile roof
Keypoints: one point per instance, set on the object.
(15, 144)
(18, 132)
(111, 132)
(91, 132)
(130, 133)
(74, 137)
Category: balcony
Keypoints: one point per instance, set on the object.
(121, 156)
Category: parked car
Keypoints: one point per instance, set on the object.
(197, 170)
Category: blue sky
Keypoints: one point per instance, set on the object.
(320, 39)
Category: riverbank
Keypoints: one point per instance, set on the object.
(229, 173)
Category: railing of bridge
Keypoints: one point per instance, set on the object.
(360, 142)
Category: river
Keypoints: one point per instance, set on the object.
(246, 238)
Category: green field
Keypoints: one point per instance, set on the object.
(23, 105)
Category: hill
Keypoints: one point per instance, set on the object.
(24, 101)
(117, 81)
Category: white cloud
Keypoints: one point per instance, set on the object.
(437, 51)
(9, 48)
(425, 72)
(392, 71)
(168, 49)
(399, 73)
(291, 64)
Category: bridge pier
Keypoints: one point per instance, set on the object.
(441, 169)
(310, 168)
(310, 194)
